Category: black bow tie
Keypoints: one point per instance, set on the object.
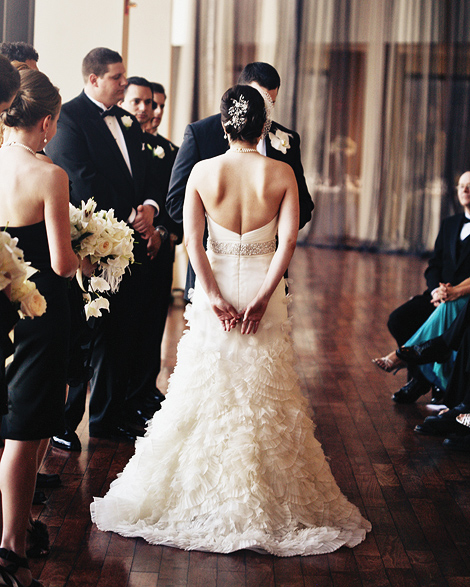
(112, 111)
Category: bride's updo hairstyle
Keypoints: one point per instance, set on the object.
(36, 98)
(243, 113)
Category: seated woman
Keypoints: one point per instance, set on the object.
(437, 373)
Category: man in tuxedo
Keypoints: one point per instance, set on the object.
(449, 264)
(138, 100)
(205, 139)
(101, 147)
(159, 100)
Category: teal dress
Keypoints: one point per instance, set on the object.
(438, 373)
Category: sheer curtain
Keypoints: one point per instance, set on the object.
(379, 91)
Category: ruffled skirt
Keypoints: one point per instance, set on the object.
(230, 461)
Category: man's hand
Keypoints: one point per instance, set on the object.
(143, 222)
(154, 243)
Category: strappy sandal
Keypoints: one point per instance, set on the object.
(389, 363)
(37, 540)
(7, 574)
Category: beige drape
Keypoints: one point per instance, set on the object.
(379, 91)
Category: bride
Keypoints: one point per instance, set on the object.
(230, 461)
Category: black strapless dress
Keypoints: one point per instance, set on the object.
(36, 378)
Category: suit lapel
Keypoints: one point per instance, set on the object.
(109, 142)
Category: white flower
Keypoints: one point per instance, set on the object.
(127, 121)
(15, 271)
(280, 140)
(99, 284)
(159, 152)
(106, 241)
(33, 303)
(94, 307)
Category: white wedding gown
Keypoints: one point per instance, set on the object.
(230, 461)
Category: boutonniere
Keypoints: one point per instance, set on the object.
(158, 151)
(127, 121)
(280, 140)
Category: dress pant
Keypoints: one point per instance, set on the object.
(123, 350)
(407, 318)
(142, 385)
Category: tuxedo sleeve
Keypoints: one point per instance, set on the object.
(305, 201)
(70, 150)
(187, 157)
(433, 273)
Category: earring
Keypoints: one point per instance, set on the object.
(225, 135)
(45, 139)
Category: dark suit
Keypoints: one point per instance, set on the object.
(205, 139)
(87, 150)
(448, 264)
(160, 165)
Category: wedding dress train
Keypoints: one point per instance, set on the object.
(230, 461)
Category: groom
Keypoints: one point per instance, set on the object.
(205, 139)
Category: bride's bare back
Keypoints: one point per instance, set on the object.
(242, 191)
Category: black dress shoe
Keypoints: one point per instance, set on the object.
(47, 481)
(431, 351)
(67, 441)
(442, 424)
(458, 442)
(410, 392)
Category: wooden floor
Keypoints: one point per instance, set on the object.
(415, 493)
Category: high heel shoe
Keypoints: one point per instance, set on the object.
(37, 540)
(7, 574)
(390, 363)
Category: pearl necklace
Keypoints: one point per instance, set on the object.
(15, 144)
(242, 150)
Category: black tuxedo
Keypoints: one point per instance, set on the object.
(204, 139)
(123, 338)
(450, 263)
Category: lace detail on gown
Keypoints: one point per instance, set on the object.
(230, 461)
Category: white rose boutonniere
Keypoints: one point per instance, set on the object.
(280, 140)
(127, 121)
(158, 151)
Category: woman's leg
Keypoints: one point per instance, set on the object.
(18, 469)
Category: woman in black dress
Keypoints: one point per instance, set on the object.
(34, 206)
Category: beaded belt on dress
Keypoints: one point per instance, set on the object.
(241, 249)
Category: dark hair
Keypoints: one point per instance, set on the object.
(97, 61)
(19, 51)
(157, 88)
(36, 98)
(9, 80)
(262, 73)
(251, 122)
(138, 81)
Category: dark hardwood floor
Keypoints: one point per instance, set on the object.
(414, 492)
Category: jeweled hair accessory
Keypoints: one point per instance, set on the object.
(238, 113)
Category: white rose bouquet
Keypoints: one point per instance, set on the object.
(106, 241)
(15, 271)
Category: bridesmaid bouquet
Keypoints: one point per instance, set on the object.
(15, 271)
(106, 241)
